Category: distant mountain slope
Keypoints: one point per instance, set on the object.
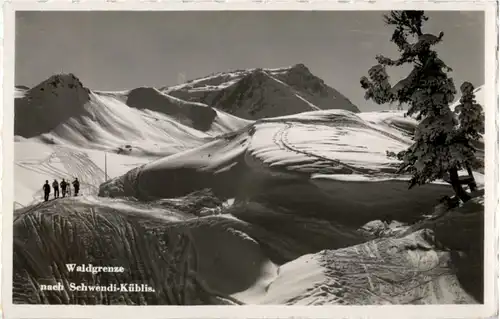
(260, 93)
(61, 110)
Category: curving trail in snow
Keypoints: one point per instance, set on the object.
(281, 139)
(35, 163)
(331, 142)
(74, 164)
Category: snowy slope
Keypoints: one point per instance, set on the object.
(141, 121)
(34, 163)
(332, 162)
(260, 93)
(66, 121)
(412, 268)
(226, 260)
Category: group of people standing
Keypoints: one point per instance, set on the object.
(64, 188)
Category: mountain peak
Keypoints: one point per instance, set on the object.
(241, 92)
(258, 75)
(48, 104)
(61, 80)
(314, 89)
(300, 67)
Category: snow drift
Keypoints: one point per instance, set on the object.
(223, 260)
(198, 259)
(435, 262)
(331, 164)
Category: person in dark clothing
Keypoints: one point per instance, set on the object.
(63, 187)
(69, 187)
(46, 190)
(55, 185)
(76, 186)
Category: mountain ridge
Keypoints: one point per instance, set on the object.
(304, 86)
(60, 110)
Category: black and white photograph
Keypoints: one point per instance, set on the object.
(250, 157)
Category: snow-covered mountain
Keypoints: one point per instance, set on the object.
(61, 110)
(143, 121)
(260, 93)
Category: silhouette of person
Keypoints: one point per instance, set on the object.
(46, 190)
(55, 185)
(63, 187)
(76, 186)
(69, 187)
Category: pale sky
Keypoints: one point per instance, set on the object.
(125, 50)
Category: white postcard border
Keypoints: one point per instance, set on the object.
(488, 309)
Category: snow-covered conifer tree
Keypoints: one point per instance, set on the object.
(439, 148)
(471, 125)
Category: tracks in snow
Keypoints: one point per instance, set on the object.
(74, 163)
(281, 140)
